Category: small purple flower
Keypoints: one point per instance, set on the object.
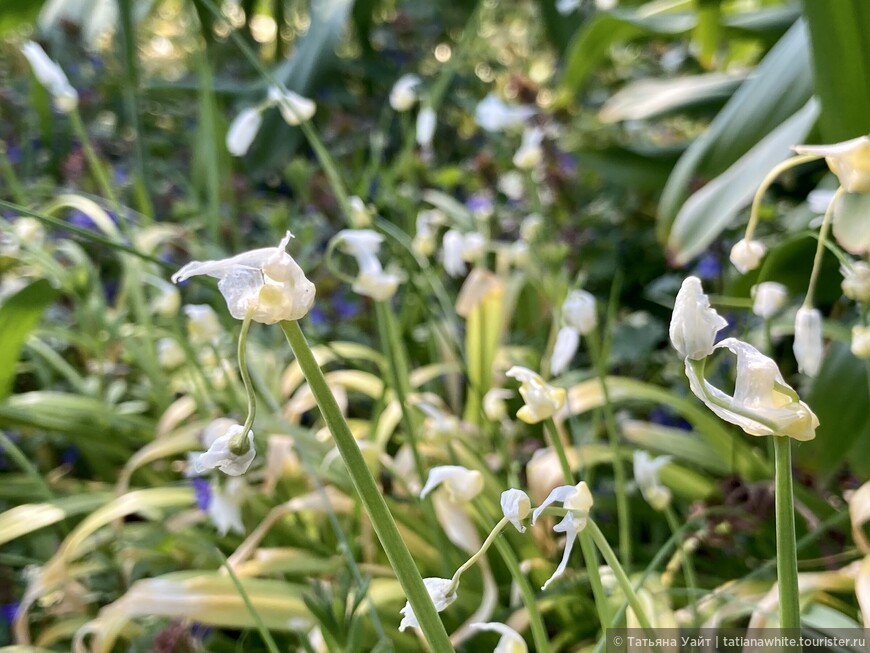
(13, 153)
(317, 316)
(8, 611)
(82, 220)
(202, 491)
(567, 164)
(664, 417)
(345, 309)
(70, 456)
(709, 267)
(479, 203)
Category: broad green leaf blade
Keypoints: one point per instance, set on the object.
(840, 38)
(18, 315)
(647, 98)
(710, 210)
(593, 41)
(779, 87)
(632, 168)
(29, 517)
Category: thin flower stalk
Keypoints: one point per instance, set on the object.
(686, 560)
(777, 170)
(820, 247)
(590, 557)
(370, 495)
(786, 546)
(559, 448)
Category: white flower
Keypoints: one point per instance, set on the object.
(808, 340)
(294, 108)
(518, 253)
(646, 475)
(225, 506)
(567, 341)
(512, 185)
(849, 160)
(426, 122)
(856, 281)
(52, 77)
(861, 341)
(493, 115)
(380, 285)
(473, 246)
(531, 227)
(579, 311)
(267, 282)
(577, 499)
(371, 281)
(461, 484)
(819, 200)
(516, 506)
(442, 592)
(763, 403)
(494, 406)
(694, 324)
(228, 449)
(747, 254)
(360, 215)
(510, 640)
(453, 245)
(404, 92)
(203, 325)
(243, 130)
(529, 153)
(768, 298)
(170, 354)
(542, 400)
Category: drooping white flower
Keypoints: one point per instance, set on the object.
(808, 340)
(494, 406)
(512, 185)
(529, 154)
(567, 341)
(51, 76)
(509, 642)
(768, 298)
(694, 324)
(203, 325)
(403, 95)
(442, 592)
(295, 109)
(228, 449)
(579, 311)
(267, 282)
(453, 245)
(516, 506)
(473, 246)
(427, 120)
(856, 281)
(577, 499)
(849, 160)
(646, 475)
(494, 115)
(861, 341)
(360, 214)
(170, 354)
(225, 506)
(243, 130)
(371, 280)
(763, 403)
(746, 255)
(542, 400)
(531, 227)
(461, 484)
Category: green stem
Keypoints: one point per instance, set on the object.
(96, 166)
(258, 620)
(686, 563)
(556, 443)
(621, 577)
(765, 184)
(591, 560)
(786, 547)
(536, 621)
(382, 521)
(820, 247)
(8, 447)
(468, 564)
(246, 375)
(15, 188)
(622, 506)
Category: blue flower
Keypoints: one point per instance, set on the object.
(202, 490)
(8, 611)
(709, 267)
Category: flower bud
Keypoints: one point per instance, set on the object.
(516, 506)
(746, 255)
(243, 131)
(856, 281)
(768, 298)
(579, 311)
(808, 340)
(861, 341)
(404, 92)
(694, 323)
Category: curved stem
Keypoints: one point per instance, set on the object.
(370, 495)
(686, 562)
(786, 546)
(591, 560)
(246, 375)
(765, 184)
(820, 247)
(468, 564)
(556, 443)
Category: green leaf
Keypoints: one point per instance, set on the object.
(840, 39)
(779, 87)
(630, 167)
(18, 315)
(17, 13)
(592, 42)
(839, 399)
(710, 210)
(29, 517)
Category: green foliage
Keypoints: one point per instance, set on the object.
(18, 315)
